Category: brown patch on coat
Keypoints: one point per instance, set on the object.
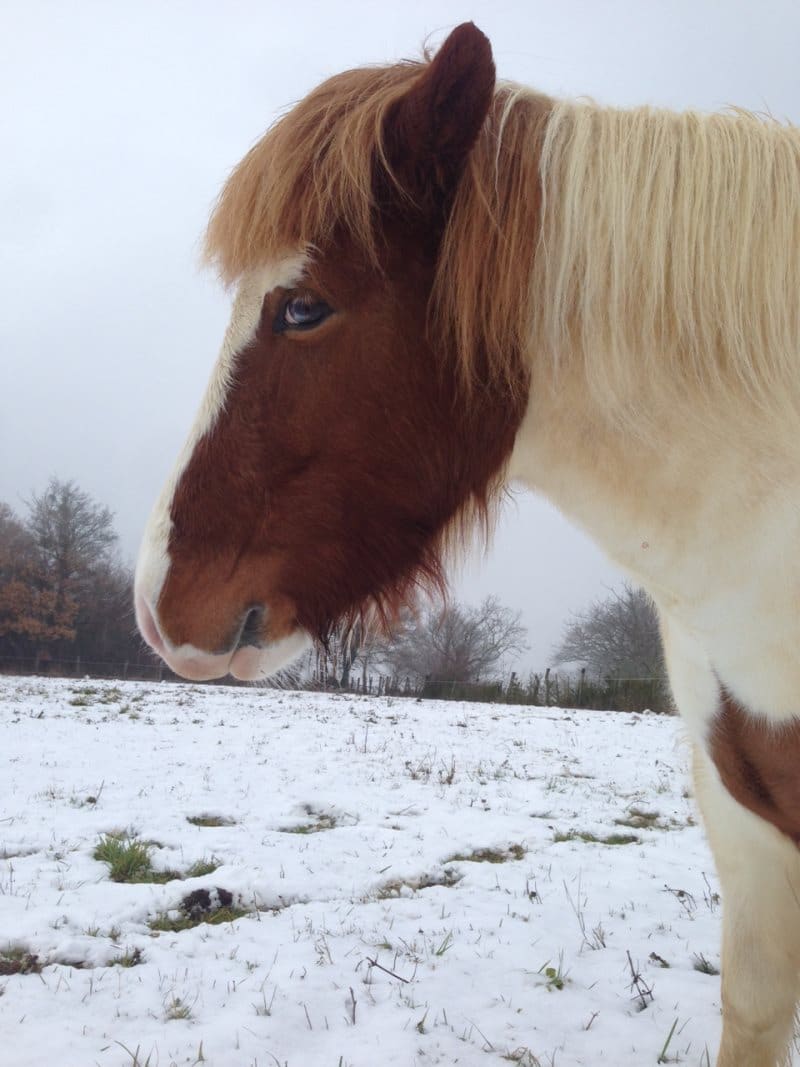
(759, 764)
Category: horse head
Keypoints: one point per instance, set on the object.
(340, 445)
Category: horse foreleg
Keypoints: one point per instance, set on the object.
(759, 872)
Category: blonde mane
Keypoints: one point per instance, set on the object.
(660, 250)
(669, 253)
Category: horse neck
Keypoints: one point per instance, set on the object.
(701, 512)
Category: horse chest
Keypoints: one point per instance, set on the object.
(758, 763)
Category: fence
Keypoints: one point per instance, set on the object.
(134, 670)
(546, 689)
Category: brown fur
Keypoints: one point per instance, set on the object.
(324, 485)
(758, 764)
(344, 461)
(331, 163)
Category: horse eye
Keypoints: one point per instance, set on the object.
(301, 313)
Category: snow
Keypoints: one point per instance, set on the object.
(522, 960)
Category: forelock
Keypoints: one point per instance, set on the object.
(311, 173)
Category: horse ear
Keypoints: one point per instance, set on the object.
(430, 130)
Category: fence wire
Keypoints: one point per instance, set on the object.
(545, 689)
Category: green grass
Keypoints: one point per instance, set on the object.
(555, 977)
(639, 819)
(489, 855)
(662, 1056)
(200, 868)
(166, 924)
(86, 695)
(129, 860)
(444, 944)
(131, 957)
(394, 888)
(321, 822)
(590, 838)
(210, 820)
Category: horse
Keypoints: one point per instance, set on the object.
(446, 283)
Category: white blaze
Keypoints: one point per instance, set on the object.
(153, 562)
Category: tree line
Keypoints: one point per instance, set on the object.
(66, 597)
(610, 657)
(65, 593)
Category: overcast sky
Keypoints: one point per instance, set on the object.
(118, 123)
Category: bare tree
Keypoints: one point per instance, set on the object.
(73, 534)
(16, 542)
(361, 644)
(347, 650)
(371, 648)
(457, 644)
(616, 637)
(64, 592)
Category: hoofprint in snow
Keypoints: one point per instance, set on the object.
(423, 882)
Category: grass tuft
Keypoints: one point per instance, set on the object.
(131, 957)
(590, 838)
(129, 860)
(394, 888)
(639, 819)
(523, 1057)
(703, 965)
(555, 977)
(165, 923)
(16, 959)
(210, 820)
(135, 1059)
(201, 868)
(321, 822)
(213, 907)
(176, 1008)
(489, 855)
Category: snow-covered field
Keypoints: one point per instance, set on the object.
(415, 884)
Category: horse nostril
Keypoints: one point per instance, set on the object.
(251, 629)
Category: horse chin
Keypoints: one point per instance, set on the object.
(194, 664)
(257, 662)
